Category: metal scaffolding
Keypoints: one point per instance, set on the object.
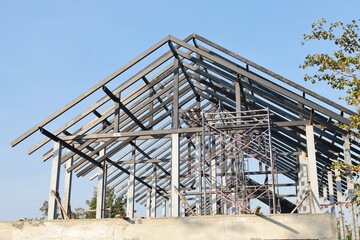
(184, 133)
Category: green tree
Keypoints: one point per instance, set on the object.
(114, 204)
(340, 69)
(44, 209)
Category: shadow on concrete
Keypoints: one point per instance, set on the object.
(278, 223)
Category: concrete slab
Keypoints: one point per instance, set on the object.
(251, 227)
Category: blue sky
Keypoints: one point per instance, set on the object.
(52, 51)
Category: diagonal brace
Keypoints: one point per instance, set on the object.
(158, 98)
(125, 109)
(68, 146)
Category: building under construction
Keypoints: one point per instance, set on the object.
(189, 128)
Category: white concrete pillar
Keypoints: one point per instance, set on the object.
(101, 188)
(54, 181)
(350, 187)
(303, 184)
(312, 170)
(175, 181)
(340, 206)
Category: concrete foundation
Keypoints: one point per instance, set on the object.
(297, 226)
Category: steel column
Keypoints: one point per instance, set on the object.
(67, 187)
(153, 193)
(175, 167)
(130, 200)
(198, 173)
(54, 181)
(148, 204)
(101, 188)
(163, 209)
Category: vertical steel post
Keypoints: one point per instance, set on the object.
(213, 182)
(223, 161)
(130, 199)
(163, 210)
(117, 114)
(203, 155)
(272, 164)
(148, 204)
(101, 188)
(198, 173)
(54, 181)
(67, 187)
(153, 193)
(312, 169)
(175, 146)
(175, 157)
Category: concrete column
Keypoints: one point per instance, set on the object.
(54, 181)
(303, 184)
(324, 200)
(198, 173)
(101, 189)
(340, 206)
(312, 173)
(67, 187)
(350, 187)
(331, 192)
(175, 157)
(130, 200)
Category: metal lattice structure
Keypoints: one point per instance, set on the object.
(184, 120)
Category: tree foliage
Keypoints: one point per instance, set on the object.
(114, 204)
(340, 69)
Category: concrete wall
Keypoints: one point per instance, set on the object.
(297, 226)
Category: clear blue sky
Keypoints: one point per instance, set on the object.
(52, 51)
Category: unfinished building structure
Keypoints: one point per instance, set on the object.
(191, 128)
